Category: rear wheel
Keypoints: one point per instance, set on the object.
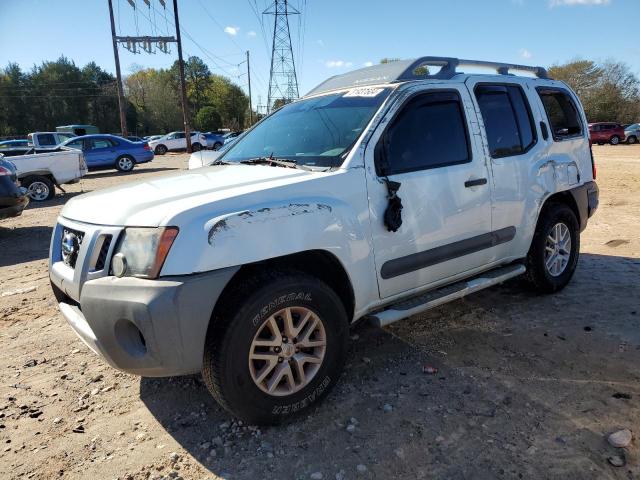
(196, 147)
(160, 150)
(615, 140)
(276, 346)
(125, 163)
(555, 248)
(39, 188)
(632, 139)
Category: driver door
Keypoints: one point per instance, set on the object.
(430, 146)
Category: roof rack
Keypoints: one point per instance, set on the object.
(405, 70)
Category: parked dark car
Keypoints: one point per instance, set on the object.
(606, 132)
(105, 151)
(13, 197)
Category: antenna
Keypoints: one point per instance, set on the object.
(283, 82)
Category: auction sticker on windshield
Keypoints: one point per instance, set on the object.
(363, 92)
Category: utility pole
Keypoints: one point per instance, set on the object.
(283, 81)
(183, 88)
(249, 80)
(123, 117)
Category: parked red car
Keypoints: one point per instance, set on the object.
(604, 132)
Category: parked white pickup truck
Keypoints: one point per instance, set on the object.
(48, 139)
(41, 172)
(382, 193)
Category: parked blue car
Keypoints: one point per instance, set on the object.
(104, 151)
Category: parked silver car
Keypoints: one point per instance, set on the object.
(632, 133)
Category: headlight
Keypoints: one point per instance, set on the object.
(142, 251)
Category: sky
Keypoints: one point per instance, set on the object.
(329, 37)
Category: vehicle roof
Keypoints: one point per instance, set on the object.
(417, 69)
(95, 135)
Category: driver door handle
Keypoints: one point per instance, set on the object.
(476, 182)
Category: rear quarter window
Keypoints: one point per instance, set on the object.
(562, 113)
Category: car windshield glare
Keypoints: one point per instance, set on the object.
(314, 132)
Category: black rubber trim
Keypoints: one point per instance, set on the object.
(586, 198)
(416, 261)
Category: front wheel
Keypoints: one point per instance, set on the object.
(160, 150)
(276, 346)
(125, 164)
(615, 140)
(632, 139)
(555, 248)
(39, 188)
(196, 147)
(217, 146)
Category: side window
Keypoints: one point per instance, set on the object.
(561, 112)
(429, 132)
(180, 135)
(100, 143)
(507, 119)
(171, 136)
(77, 144)
(46, 140)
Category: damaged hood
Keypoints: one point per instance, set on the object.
(158, 201)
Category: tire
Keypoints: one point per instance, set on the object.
(632, 139)
(217, 145)
(40, 188)
(615, 140)
(125, 163)
(196, 147)
(600, 143)
(160, 150)
(551, 278)
(234, 379)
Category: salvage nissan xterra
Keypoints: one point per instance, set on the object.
(382, 193)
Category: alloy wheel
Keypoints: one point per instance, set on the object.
(557, 249)
(287, 351)
(38, 191)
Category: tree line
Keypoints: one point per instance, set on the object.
(60, 93)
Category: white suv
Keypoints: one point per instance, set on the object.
(176, 141)
(382, 193)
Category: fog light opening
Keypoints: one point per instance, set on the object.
(130, 338)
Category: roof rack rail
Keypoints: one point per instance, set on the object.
(404, 70)
(449, 67)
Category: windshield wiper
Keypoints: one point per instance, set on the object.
(281, 162)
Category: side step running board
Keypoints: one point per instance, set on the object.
(434, 298)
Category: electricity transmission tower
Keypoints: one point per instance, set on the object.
(283, 82)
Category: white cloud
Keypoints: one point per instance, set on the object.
(251, 33)
(524, 53)
(337, 64)
(368, 64)
(571, 3)
(233, 31)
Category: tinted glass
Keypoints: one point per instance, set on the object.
(180, 135)
(46, 139)
(562, 113)
(430, 132)
(507, 119)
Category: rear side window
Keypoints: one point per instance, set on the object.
(507, 119)
(561, 112)
(46, 139)
(429, 132)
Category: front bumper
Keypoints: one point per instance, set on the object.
(152, 328)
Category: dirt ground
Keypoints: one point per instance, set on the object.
(527, 386)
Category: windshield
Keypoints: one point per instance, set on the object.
(314, 132)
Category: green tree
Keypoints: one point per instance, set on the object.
(208, 119)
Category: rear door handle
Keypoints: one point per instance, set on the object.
(476, 182)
